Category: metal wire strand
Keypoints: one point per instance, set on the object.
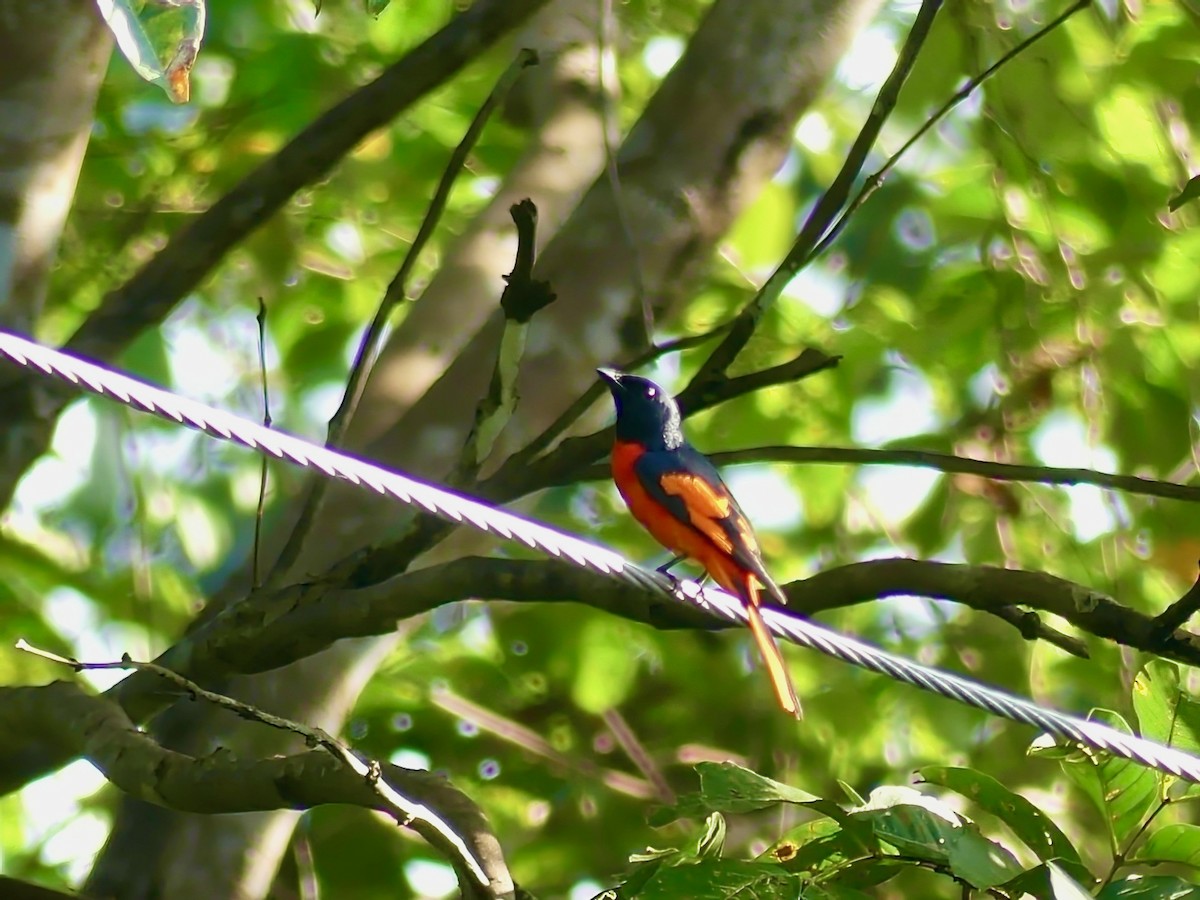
(458, 508)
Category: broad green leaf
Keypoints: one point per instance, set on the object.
(1165, 713)
(1122, 791)
(722, 880)
(1149, 887)
(1035, 829)
(729, 788)
(1178, 843)
(932, 832)
(733, 788)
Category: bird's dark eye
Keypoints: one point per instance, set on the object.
(650, 392)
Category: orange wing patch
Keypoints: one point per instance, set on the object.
(706, 506)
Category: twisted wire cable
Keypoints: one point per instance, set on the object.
(458, 508)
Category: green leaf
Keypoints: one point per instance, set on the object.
(1179, 843)
(173, 35)
(820, 854)
(1036, 881)
(833, 892)
(1035, 829)
(1165, 713)
(1123, 791)
(729, 788)
(711, 840)
(851, 794)
(721, 880)
(933, 831)
(733, 788)
(1150, 887)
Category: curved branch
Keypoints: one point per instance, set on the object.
(305, 620)
(76, 723)
(320, 618)
(984, 588)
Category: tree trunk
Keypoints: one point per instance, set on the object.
(52, 59)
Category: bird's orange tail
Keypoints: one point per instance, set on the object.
(772, 658)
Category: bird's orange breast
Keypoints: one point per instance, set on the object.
(676, 535)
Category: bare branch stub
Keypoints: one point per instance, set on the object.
(523, 294)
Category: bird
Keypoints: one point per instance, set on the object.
(678, 496)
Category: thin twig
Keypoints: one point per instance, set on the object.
(949, 463)
(256, 572)
(876, 179)
(637, 754)
(830, 202)
(402, 808)
(583, 403)
(372, 339)
(530, 741)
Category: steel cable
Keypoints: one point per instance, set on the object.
(457, 508)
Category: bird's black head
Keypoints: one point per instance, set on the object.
(645, 412)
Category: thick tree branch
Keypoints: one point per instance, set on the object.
(317, 618)
(304, 621)
(76, 723)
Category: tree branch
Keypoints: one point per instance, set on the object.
(303, 621)
(944, 462)
(1175, 615)
(99, 730)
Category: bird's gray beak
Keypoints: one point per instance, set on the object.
(612, 377)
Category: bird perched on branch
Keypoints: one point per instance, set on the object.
(678, 496)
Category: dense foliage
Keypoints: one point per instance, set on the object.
(1016, 291)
